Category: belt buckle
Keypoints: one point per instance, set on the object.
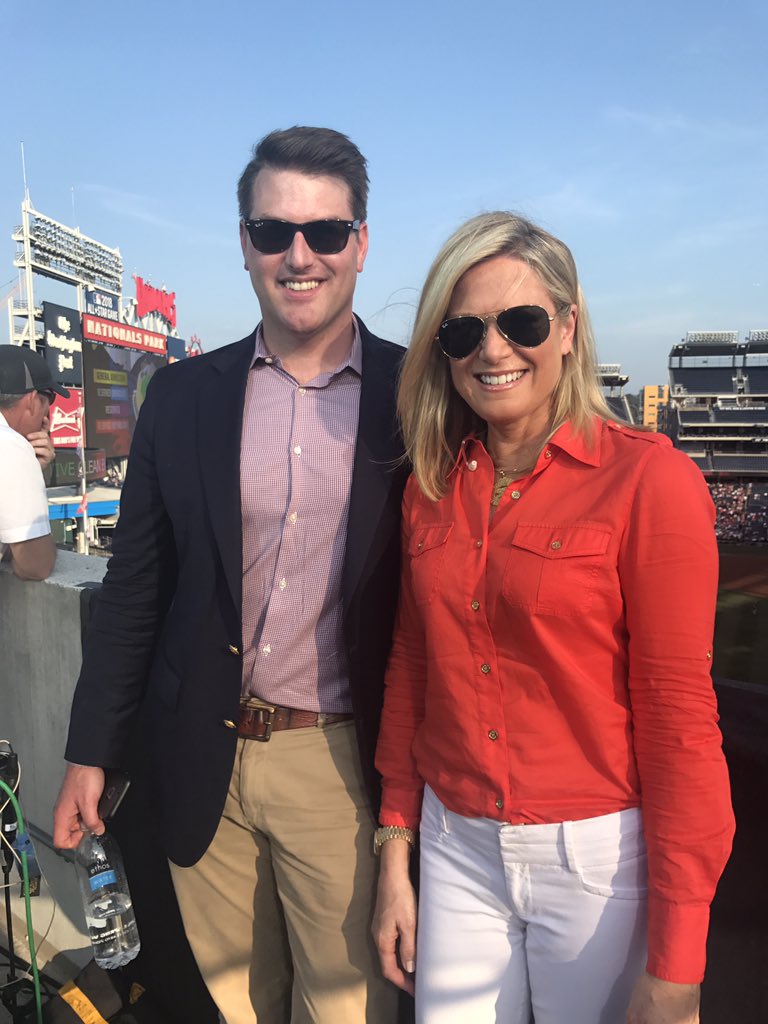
(256, 704)
(268, 725)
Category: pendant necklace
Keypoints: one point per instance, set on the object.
(502, 481)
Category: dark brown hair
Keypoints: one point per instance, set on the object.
(315, 151)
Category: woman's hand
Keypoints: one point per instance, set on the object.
(394, 920)
(663, 1002)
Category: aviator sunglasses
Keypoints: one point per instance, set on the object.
(527, 326)
(324, 237)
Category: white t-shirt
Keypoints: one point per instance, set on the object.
(23, 498)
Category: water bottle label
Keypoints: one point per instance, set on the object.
(102, 879)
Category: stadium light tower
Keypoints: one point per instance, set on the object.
(48, 248)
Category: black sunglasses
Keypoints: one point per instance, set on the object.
(527, 326)
(322, 236)
(49, 393)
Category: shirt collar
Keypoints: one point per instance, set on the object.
(584, 449)
(353, 360)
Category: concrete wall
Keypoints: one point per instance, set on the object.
(40, 644)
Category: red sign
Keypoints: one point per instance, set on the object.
(67, 420)
(110, 333)
(155, 300)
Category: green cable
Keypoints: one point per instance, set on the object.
(28, 905)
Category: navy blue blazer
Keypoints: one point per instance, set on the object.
(166, 629)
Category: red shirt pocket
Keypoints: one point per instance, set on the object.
(552, 570)
(426, 549)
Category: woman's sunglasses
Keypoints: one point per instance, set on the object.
(324, 237)
(527, 326)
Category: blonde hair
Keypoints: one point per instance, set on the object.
(433, 416)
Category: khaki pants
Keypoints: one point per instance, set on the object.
(278, 910)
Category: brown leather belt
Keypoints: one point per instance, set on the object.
(258, 720)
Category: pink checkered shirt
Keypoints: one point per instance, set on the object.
(296, 455)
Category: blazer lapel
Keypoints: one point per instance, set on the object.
(220, 420)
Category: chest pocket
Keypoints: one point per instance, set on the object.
(426, 549)
(553, 570)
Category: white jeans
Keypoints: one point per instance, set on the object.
(529, 922)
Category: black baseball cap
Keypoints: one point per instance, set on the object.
(22, 370)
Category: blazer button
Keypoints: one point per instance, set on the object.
(229, 723)
(233, 650)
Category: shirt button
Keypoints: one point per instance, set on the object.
(302, 391)
(548, 454)
(485, 668)
(475, 605)
(515, 495)
(297, 450)
(266, 649)
(282, 584)
(478, 543)
(500, 803)
(292, 517)
(472, 466)
(709, 655)
(556, 545)
(493, 735)
(269, 360)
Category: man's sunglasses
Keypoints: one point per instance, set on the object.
(527, 326)
(49, 394)
(322, 236)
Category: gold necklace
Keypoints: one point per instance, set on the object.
(504, 479)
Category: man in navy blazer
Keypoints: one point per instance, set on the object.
(249, 606)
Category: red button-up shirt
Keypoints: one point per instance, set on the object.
(552, 663)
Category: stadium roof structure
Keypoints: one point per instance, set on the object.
(610, 375)
(712, 337)
(719, 399)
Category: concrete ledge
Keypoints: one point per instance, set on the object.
(40, 641)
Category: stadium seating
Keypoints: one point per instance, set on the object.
(740, 463)
(705, 380)
(745, 416)
(694, 416)
(758, 379)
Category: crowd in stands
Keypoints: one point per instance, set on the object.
(742, 512)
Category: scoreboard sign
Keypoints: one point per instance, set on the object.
(96, 328)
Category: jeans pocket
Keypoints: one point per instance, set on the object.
(434, 818)
(614, 868)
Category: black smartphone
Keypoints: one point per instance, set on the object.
(116, 785)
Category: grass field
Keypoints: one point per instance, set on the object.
(741, 629)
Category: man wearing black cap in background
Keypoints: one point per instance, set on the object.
(27, 392)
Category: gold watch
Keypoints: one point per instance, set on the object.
(387, 832)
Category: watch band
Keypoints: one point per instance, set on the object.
(387, 832)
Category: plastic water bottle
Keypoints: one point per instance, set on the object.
(106, 901)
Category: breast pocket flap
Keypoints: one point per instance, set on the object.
(427, 538)
(572, 541)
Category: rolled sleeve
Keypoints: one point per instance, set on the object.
(669, 570)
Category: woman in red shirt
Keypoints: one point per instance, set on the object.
(549, 721)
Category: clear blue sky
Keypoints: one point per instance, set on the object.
(637, 133)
